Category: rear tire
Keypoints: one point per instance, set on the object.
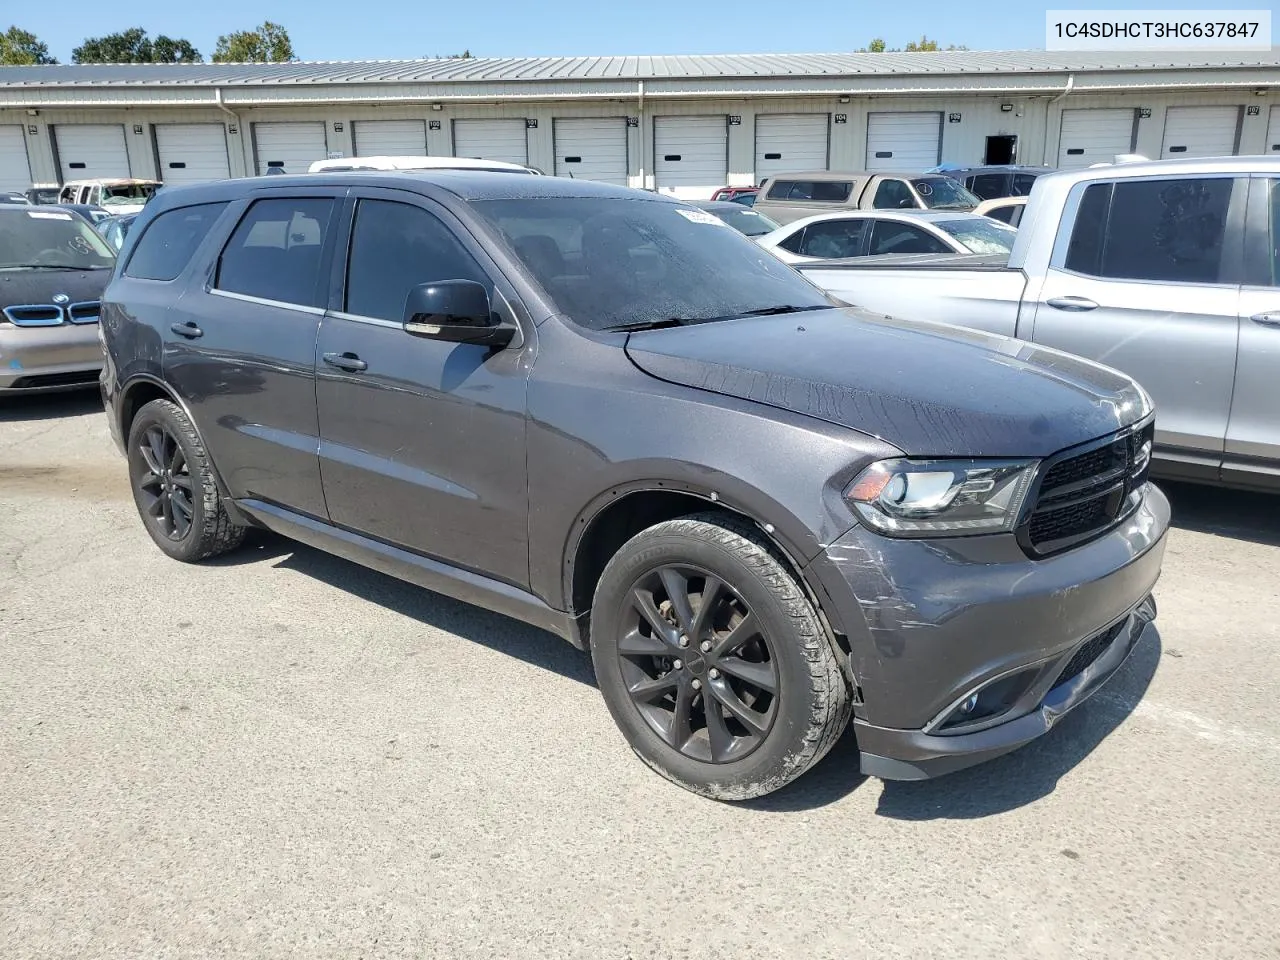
(174, 487)
(754, 698)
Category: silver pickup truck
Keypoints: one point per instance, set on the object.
(1167, 270)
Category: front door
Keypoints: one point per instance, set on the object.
(422, 442)
(1144, 283)
(1253, 434)
(240, 348)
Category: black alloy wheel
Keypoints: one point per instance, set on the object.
(165, 488)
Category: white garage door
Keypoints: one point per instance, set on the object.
(292, 147)
(1200, 132)
(391, 138)
(592, 148)
(904, 142)
(691, 155)
(15, 173)
(1093, 136)
(90, 150)
(1272, 146)
(192, 152)
(790, 143)
(503, 140)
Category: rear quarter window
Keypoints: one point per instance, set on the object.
(813, 191)
(163, 250)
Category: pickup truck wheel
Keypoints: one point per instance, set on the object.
(712, 661)
(174, 488)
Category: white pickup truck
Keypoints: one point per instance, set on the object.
(1167, 270)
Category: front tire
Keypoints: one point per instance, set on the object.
(174, 487)
(712, 660)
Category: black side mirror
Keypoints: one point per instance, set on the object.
(454, 310)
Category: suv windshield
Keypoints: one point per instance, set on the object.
(127, 193)
(613, 262)
(746, 221)
(981, 235)
(52, 239)
(943, 193)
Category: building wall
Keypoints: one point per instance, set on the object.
(1035, 120)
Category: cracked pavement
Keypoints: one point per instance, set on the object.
(281, 754)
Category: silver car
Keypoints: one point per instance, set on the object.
(53, 268)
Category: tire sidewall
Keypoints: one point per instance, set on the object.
(769, 764)
(163, 414)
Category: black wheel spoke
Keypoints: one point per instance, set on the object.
(759, 675)
(177, 461)
(152, 505)
(743, 631)
(681, 728)
(636, 644)
(677, 587)
(155, 446)
(650, 689)
(642, 600)
(147, 450)
(718, 734)
(713, 591)
(756, 723)
(182, 480)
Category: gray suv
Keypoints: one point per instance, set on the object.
(607, 413)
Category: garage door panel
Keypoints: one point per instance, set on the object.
(1272, 146)
(87, 151)
(15, 171)
(592, 148)
(391, 138)
(291, 146)
(192, 152)
(904, 142)
(1094, 136)
(791, 143)
(503, 140)
(691, 155)
(1200, 132)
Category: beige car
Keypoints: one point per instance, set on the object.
(1005, 209)
(791, 196)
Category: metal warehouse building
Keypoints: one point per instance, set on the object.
(678, 124)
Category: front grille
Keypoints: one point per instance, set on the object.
(1088, 652)
(51, 314)
(86, 312)
(1082, 495)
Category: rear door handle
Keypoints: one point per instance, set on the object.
(1072, 303)
(345, 361)
(188, 330)
(1271, 319)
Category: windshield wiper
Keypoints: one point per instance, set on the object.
(50, 266)
(650, 324)
(783, 308)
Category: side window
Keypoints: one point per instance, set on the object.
(1004, 213)
(274, 252)
(163, 251)
(1162, 230)
(834, 239)
(888, 236)
(988, 186)
(795, 242)
(893, 195)
(832, 191)
(781, 189)
(395, 247)
(1022, 184)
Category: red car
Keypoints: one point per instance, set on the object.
(744, 195)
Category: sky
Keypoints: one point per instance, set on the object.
(396, 29)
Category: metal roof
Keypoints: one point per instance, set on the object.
(711, 67)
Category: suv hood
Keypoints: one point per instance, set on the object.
(40, 286)
(929, 389)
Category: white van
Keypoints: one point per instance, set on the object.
(117, 196)
(417, 163)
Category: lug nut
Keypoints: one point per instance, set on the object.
(677, 664)
(713, 673)
(697, 684)
(706, 646)
(684, 641)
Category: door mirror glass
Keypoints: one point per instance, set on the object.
(454, 310)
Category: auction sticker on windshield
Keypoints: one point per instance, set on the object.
(41, 215)
(701, 216)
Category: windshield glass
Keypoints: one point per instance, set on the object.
(611, 262)
(747, 222)
(127, 193)
(943, 193)
(49, 238)
(981, 235)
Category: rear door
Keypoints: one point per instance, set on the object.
(1253, 433)
(1145, 279)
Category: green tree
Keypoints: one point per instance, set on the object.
(268, 43)
(923, 45)
(875, 46)
(134, 46)
(464, 55)
(18, 48)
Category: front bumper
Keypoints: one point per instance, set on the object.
(945, 619)
(46, 359)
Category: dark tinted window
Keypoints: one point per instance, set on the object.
(609, 262)
(893, 195)
(163, 251)
(890, 237)
(820, 191)
(1005, 214)
(1152, 230)
(275, 252)
(834, 239)
(988, 186)
(395, 247)
(794, 243)
(1022, 184)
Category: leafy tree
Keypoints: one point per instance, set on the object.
(464, 55)
(268, 43)
(18, 48)
(134, 46)
(875, 46)
(923, 45)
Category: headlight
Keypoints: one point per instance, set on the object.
(924, 498)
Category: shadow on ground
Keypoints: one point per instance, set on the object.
(49, 406)
(1239, 514)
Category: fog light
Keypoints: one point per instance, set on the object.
(968, 705)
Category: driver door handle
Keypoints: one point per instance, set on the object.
(1269, 319)
(188, 330)
(345, 361)
(1072, 303)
